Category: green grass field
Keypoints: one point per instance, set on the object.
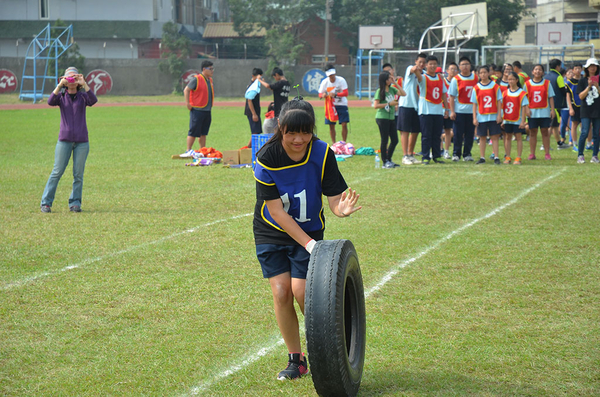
(481, 280)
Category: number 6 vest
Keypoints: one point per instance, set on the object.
(434, 88)
(300, 188)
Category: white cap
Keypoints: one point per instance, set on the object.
(591, 61)
(329, 72)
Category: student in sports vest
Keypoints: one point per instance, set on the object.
(589, 94)
(409, 124)
(199, 96)
(448, 134)
(487, 105)
(515, 109)
(574, 102)
(432, 100)
(557, 81)
(541, 103)
(518, 69)
(294, 169)
(461, 110)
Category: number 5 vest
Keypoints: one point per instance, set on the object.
(537, 93)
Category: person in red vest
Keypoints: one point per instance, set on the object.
(486, 98)
(199, 97)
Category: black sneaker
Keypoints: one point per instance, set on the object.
(425, 162)
(497, 161)
(75, 208)
(46, 208)
(438, 160)
(295, 368)
(480, 161)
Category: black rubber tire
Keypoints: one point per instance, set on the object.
(334, 313)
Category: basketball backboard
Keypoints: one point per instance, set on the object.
(559, 33)
(376, 37)
(457, 14)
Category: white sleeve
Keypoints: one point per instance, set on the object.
(322, 87)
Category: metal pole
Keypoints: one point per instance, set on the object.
(369, 75)
(327, 18)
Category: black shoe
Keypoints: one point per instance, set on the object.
(75, 208)
(439, 160)
(295, 368)
(425, 162)
(497, 161)
(480, 161)
(46, 208)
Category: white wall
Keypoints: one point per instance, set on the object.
(88, 10)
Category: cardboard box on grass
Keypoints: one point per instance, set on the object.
(231, 157)
(245, 156)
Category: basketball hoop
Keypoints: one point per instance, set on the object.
(376, 40)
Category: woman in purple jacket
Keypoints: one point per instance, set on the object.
(72, 95)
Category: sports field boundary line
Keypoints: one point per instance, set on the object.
(246, 361)
(86, 262)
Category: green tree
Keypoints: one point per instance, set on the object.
(280, 20)
(411, 18)
(71, 57)
(175, 49)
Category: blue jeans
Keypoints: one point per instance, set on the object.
(585, 130)
(61, 159)
(564, 120)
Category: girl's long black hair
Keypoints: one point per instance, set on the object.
(383, 78)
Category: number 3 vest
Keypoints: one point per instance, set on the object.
(537, 93)
(512, 103)
(487, 95)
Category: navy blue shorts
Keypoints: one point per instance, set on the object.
(535, 123)
(448, 123)
(408, 120)
(277, 259)
(343, 115)
(199, 123)
(577, 116)
(513, 129)
(255, 126)
(491, 126)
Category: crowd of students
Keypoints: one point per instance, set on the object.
(484, 104)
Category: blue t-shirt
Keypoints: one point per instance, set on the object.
(411, 99)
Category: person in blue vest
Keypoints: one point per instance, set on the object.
(558, 86)
(199, 97)
(574, 102)
(293, 171)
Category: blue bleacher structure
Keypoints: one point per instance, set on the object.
(43, 49)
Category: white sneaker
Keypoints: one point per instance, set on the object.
(455, 158)
(447, 155)
(414, 160)
(406, 160)
(468, 158)
(189, 153)
(595, 160)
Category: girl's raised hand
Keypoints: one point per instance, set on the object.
(347, 205)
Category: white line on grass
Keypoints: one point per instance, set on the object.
(30, 279)
(245, 362)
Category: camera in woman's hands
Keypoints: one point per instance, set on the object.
(70, 79)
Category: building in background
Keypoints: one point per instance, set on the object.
(108, 28)
(563, 22)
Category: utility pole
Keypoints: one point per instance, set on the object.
(328, 4)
